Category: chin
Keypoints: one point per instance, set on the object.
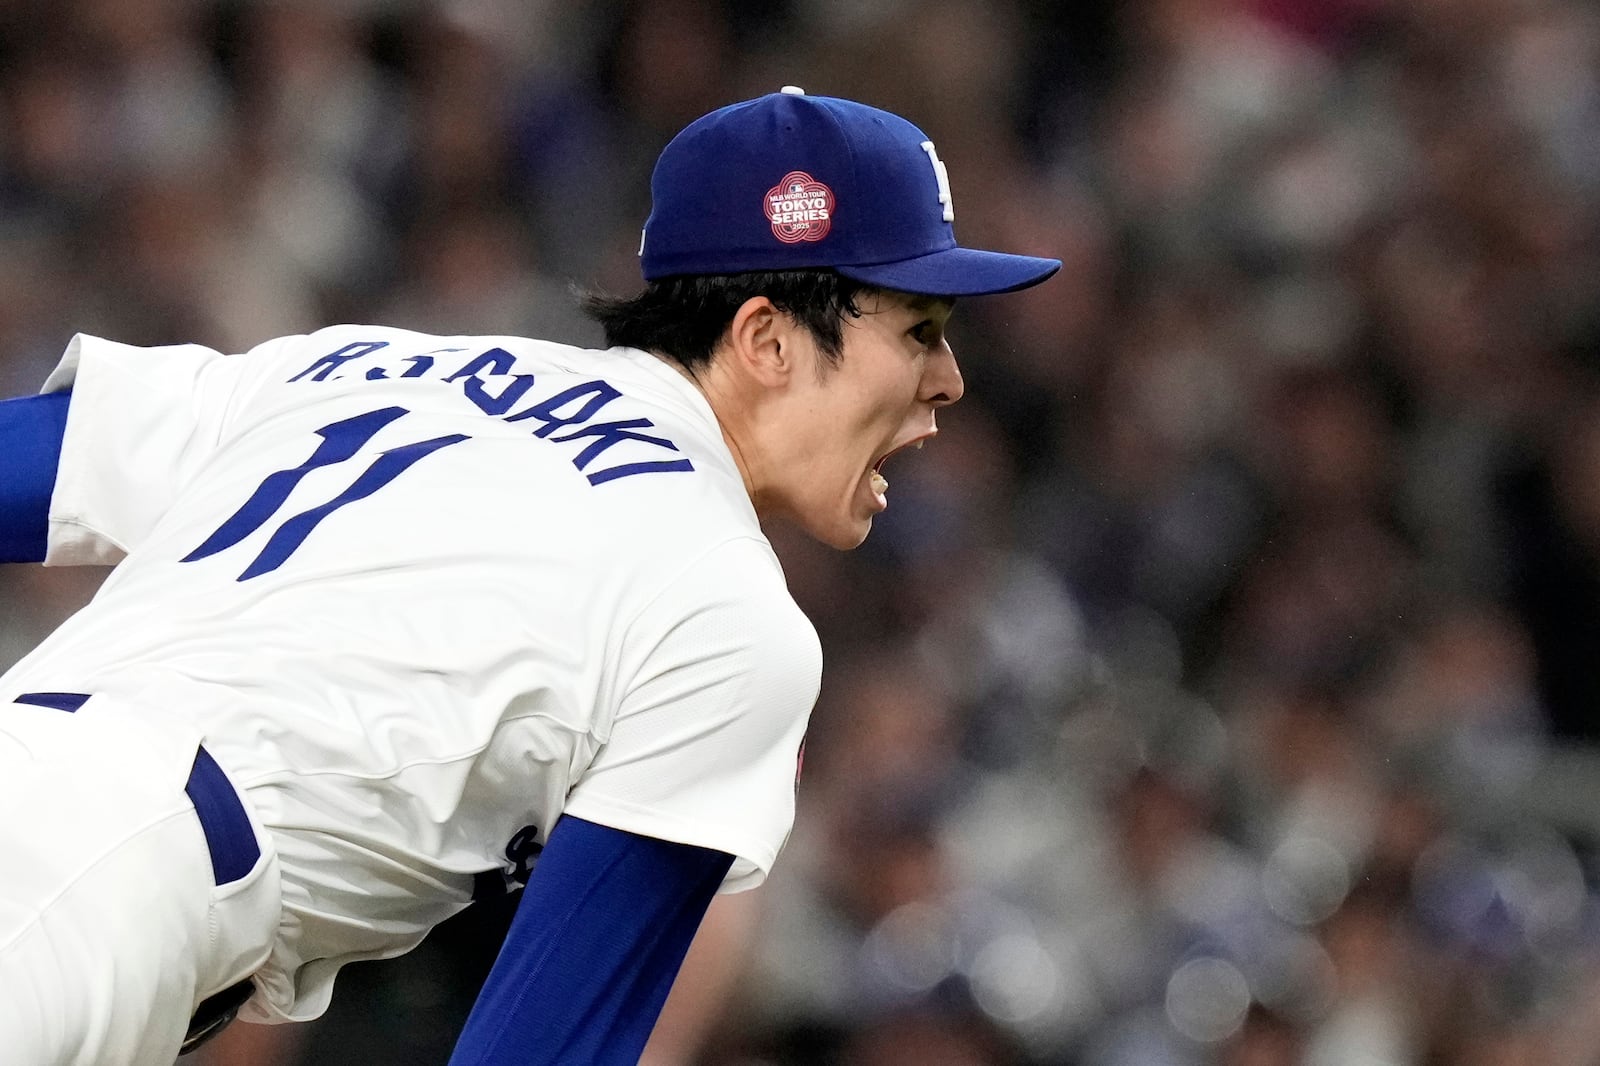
(844, 535)
(841, 524)
(855, 538)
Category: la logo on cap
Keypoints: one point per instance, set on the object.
(800, 208)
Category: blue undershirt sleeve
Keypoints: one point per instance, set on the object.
(602, 928)
(31, 431)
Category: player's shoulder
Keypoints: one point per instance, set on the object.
(740, 577)
(547, 387)
(373, 349)
(731, 595)
(378, 338)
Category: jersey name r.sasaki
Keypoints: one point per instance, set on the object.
(492, 379)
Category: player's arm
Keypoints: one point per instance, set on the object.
(31, 431)
(691, 791)
(600, 933)
(701, 995)
(140, 423)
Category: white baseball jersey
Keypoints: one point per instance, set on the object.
(422, 595)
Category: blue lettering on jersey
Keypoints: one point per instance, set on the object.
(660, 466)
(564, 417)
(497, 361)
(420, 365)
(334, 360)
(609, 433)
(341, 441)
(389, 465)
(595, 394)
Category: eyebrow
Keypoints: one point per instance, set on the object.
(922, 304)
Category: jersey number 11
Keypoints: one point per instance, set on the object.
(340, 443)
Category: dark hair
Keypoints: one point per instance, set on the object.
(684, 317)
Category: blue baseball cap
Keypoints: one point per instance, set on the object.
(789, 181)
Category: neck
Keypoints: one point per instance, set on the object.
(731, 421)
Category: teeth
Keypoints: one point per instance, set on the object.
(880, 484)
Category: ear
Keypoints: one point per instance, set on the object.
(762, 343)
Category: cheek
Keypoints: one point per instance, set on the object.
(866, 405)
(896, 397)
(875, 416)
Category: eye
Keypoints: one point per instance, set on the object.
(925, 333)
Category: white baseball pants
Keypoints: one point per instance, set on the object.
(112, 925)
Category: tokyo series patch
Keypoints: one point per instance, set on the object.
(800, 208)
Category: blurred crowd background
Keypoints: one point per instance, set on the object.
(1220, 687)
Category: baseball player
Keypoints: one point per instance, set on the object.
(395, 616)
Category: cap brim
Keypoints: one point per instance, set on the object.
(956, 272)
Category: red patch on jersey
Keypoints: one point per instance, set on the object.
(800, 208)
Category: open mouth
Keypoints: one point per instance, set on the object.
(880, 484)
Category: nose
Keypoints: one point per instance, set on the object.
(941, 379)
